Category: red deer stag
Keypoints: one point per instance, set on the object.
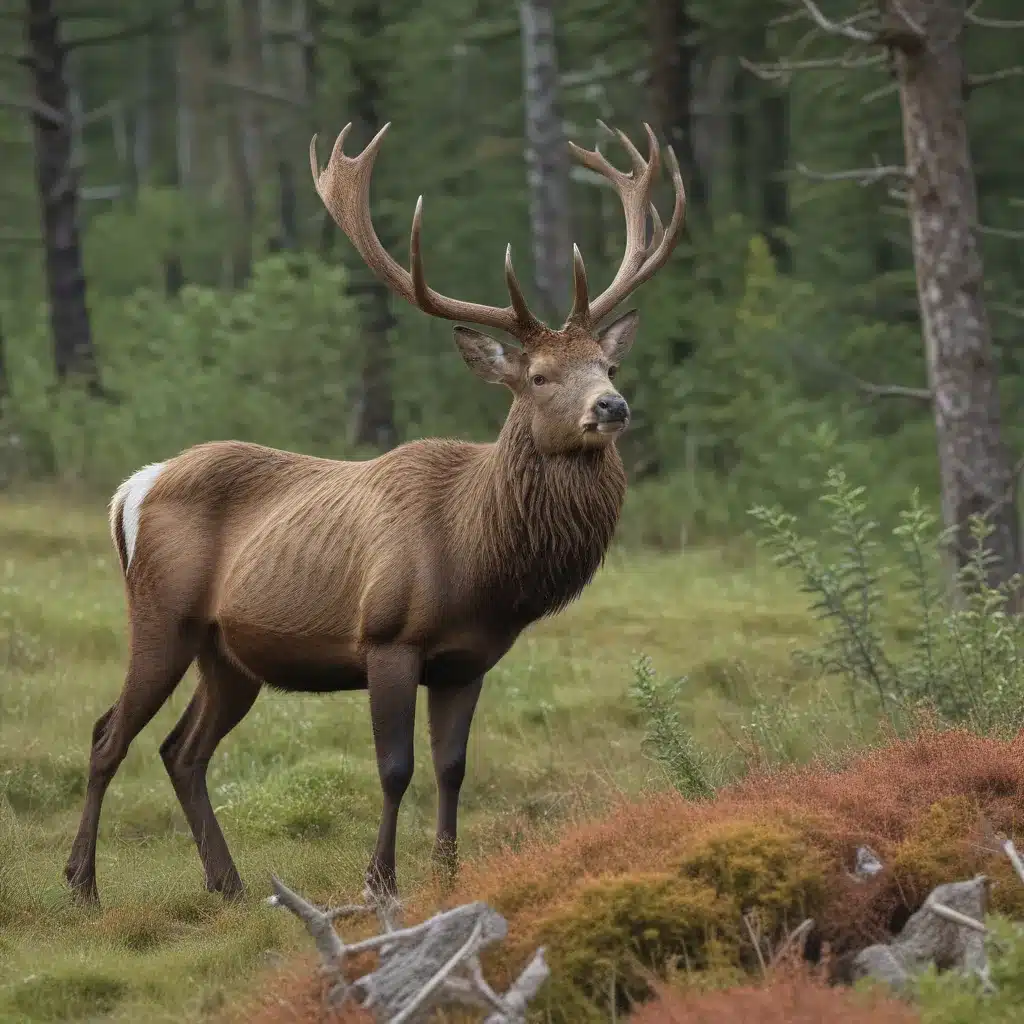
(419, 567)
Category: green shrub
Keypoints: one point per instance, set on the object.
(687, 767)
(890, 632)
(950, 998)
(271, 364)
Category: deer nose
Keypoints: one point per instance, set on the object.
(611, 409)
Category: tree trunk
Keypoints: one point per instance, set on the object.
(774, 188)
(673, 55)
(739, 139)
(4, 385)
(244, 126)
(287, 237)
(57, 182)
(374, 423)
(547, 160)
(192, 108)
(973, 462)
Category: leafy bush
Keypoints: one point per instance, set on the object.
(949, 998)
(963, 661)
(270, 364)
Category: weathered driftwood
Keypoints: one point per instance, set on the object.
(432, 964)
(947, 931)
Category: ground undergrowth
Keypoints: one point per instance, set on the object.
(649, 772)
(557, 736)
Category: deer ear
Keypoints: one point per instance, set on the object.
(489, 359)
(617, 338)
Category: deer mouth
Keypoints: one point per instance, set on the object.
(605, 427)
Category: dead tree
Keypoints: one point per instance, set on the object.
(922, 40)
(422, 968)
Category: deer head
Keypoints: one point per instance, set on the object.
(561, 379)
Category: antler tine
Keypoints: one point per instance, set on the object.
(640, 259)
(659, 230)
(515, 292)
(344, 187)
(596, 161)
(581, 294)
(662, 245)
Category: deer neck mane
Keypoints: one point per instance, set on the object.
(544, 521)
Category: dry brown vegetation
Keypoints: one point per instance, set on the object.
(661, 885)
(791, 998)
(662, 881)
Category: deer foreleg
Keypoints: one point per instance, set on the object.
(393, 675)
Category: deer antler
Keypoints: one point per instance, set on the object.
(344, 187)
(640, 260)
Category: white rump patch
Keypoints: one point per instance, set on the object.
(129, 498)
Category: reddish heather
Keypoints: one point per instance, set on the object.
(923, 804)
(791, 998)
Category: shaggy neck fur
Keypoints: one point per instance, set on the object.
(544, 522)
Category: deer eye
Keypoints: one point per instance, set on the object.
(612, 370)
(539, 378)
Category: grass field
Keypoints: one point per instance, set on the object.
(295, 785)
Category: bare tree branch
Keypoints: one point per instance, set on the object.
(833, 28)
(267, 92)
(783, 68)
(862, 175)
(997, 23)
(116, 36)
(909, 37)
(978, 81)
(891, 390)
(876, 94)
(954, 916)
(1014, 311)
(1008, 848)
(34, 106)
(987, 229)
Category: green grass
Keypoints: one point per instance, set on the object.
(295, 784)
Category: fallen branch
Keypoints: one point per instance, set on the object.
(947, 930)
(433, 964)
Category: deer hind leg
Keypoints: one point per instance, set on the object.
(222, 699)
(393, 675)
(451, 711)
(161, 652)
